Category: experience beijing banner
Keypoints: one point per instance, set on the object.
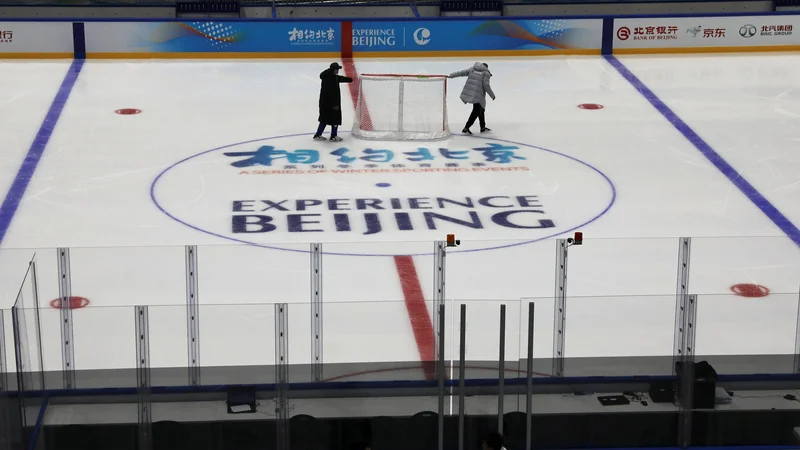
(455, 35)
(688, 32)
(212, 36)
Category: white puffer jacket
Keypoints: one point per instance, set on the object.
(477, 85)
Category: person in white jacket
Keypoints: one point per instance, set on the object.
(474, 92)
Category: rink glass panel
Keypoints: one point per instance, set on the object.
(366, 322)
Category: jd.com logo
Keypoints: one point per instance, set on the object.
(422, 36)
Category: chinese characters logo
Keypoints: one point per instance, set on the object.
(776, 30)
(311, 36)
(345, 158)
(6, 36)
(706, 33)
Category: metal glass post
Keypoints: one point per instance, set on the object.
(35, 282)
(462, 357)
(502, 370)
(439, 269)
(65, 292)
(145, 413)
(529, 381)
(440, 372)
(686, 373)
(193, 315)
(681, 298)
(560, 325)
(282, 375)
(316, 312)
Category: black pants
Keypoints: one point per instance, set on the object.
(477, 113)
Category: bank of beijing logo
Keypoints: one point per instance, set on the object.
(422, 36)
(287, 189)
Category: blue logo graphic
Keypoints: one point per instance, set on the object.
(269, 156)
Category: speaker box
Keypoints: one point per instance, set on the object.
(705, 384)
(662, 392)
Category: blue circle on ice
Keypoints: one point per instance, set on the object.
(611, 200)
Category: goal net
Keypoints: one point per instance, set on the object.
(401, 107)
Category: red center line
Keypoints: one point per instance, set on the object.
(421, 323)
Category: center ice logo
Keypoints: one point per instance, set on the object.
(288, 189)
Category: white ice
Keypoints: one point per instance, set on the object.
(91, 192)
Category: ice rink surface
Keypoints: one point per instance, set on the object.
(127, 192)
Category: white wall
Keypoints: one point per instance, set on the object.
(284, 12)
(290, 12)
(83, 12)
(653, 8)
(428, 10)
(256, 12)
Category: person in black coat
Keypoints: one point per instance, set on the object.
(330, 102)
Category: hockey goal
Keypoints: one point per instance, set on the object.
(396, 107)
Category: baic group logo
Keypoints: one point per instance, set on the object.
(747, 31)
(776, 30)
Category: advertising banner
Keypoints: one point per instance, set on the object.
(37, 39)
(688, 32)
(475, 35)
(212, 37)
